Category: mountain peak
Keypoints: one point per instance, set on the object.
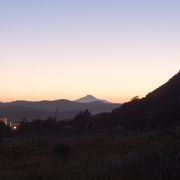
(89, 98)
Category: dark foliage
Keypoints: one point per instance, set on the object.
(40, 127)
(5, 131)
(82, 121)
(62, 150)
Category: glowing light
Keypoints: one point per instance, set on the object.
(14, 128)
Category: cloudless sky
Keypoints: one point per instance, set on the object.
(112, 49)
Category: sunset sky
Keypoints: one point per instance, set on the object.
(66, 49)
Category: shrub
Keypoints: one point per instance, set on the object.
(62, 150)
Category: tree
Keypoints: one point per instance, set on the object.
(135, 98)
(82, 121)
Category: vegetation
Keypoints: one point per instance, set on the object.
(5, 132)
(126, 156)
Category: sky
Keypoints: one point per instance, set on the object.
(66, 49)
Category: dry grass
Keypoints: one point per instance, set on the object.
(106, 156)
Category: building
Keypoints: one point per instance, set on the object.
(4, 120)
(15, 125)
(12, 125)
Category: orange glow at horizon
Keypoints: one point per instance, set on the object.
(68, 49)
(120, 95)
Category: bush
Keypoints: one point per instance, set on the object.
(62, 150)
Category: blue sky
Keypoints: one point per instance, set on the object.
(116, 49)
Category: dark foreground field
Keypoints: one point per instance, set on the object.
(106, 156)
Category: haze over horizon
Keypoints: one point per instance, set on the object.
(67, 49)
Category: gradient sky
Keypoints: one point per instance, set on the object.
(112, 49)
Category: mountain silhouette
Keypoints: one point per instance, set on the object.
(90, 98)
(168, 91)
(160, 108)
(31, 110)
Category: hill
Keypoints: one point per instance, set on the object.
(158, 109)
(30, 110)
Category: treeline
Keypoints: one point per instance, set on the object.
(83, 122)
(148, 113)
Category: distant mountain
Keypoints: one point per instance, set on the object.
(30, 110)
(18, 113)
(90, 98)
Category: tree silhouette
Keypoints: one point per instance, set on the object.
(82, 121)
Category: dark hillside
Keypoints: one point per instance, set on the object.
(158, 109)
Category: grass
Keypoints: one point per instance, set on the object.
(106, 156)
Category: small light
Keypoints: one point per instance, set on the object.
(14, 128)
